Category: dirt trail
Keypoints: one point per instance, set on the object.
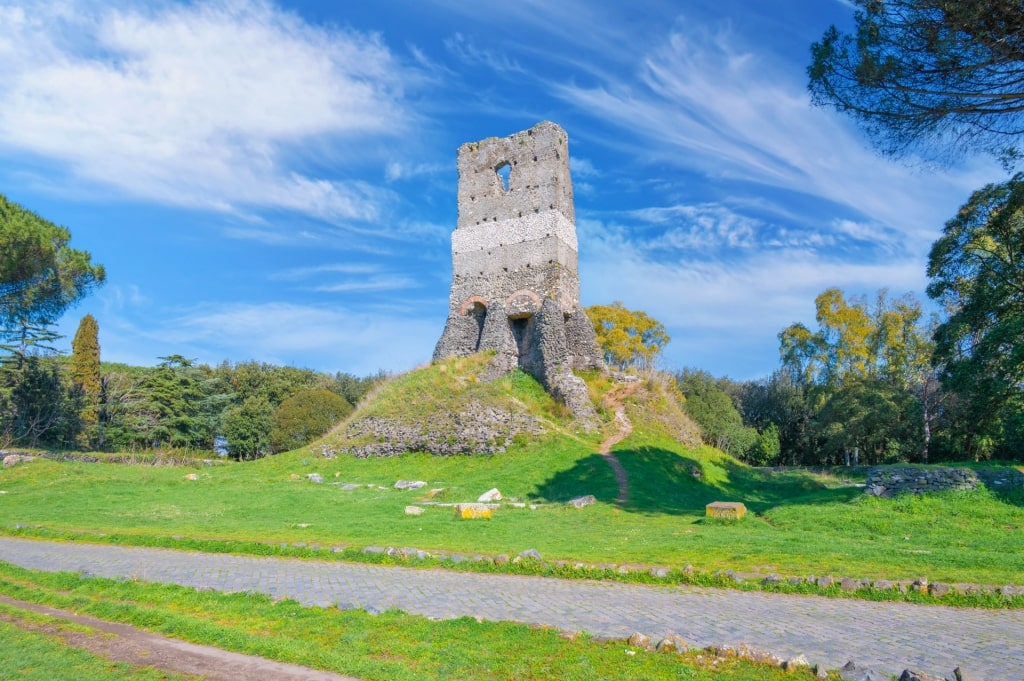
(614, 400)
(125, 643)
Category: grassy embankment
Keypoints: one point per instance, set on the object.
(801, 523)
(390, 646)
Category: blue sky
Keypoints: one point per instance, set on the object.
(276, 181)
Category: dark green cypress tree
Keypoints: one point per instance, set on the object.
(85, 366)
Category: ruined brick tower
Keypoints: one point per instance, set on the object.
(515, 282)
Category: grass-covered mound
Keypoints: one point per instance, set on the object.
(446, 409)
(800, 523)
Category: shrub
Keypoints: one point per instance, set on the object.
(247, 428)
(304, 416)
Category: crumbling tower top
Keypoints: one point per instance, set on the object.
(508, 177)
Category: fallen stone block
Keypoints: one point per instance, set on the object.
(314, 477)
(414, 510)
(581, 502)
(472, 511)
(725, 510)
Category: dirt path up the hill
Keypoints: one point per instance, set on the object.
(614, 400)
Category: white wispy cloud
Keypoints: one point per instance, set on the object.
(698, 99)
(300, 273)
(582, 167)
(373, 283)
(201, 104)
(467, 51)
(399, 170)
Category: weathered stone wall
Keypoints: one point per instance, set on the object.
(477, 429)
(515, 282)
(887, 481)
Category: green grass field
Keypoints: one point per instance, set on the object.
(391, 646)
(801, 523)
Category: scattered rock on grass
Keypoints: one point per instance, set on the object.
(490, 495)
(672, 644)
(638, 640)
(15, 459)
(410, 484)
(191, 476)
(528, 554)
(414, 510)
(581, 502)
(314, 477)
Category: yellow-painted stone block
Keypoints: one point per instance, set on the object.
(729, 510)
(472, 511)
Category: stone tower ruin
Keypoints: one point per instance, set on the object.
(515, 281)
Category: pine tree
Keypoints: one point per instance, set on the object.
(85, 365)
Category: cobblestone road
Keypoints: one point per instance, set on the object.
(888, 637)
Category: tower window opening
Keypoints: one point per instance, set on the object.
(503, 170)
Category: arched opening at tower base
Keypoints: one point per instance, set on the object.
(478, 313)
(522, 332)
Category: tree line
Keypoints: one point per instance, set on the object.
(247, 409)
(875, 382)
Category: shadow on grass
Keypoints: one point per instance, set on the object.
(662, 481)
